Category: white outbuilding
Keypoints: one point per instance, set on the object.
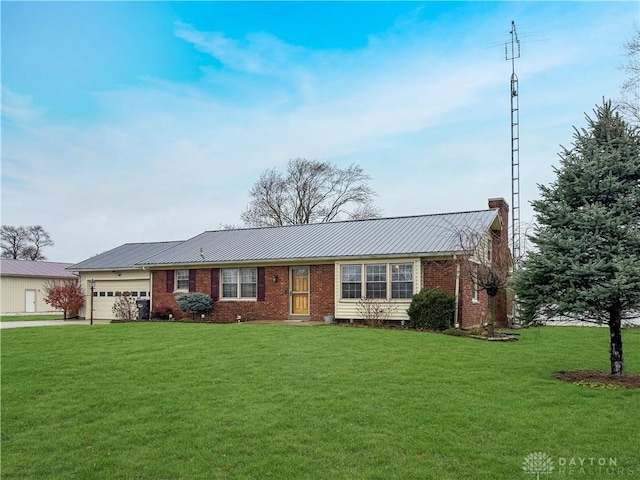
(23, 285)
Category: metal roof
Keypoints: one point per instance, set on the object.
(123, 257)
(28, 268)
(401, 236)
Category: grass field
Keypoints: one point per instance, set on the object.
(196, 401)
(28, 318)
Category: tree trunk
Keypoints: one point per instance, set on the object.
(491, 316)
(615, 341)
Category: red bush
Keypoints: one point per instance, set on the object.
(66, 295)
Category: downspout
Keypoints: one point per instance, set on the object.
(144, 268)
(455, 314)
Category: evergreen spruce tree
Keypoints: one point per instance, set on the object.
(587, 260)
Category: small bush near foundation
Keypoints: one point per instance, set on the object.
(125, 308)
(196, 303)
(456, 332)
(374, 311)
(432, 309)
(162, 313)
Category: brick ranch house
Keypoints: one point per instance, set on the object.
(311, 271)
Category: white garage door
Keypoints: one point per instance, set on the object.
(107, 292)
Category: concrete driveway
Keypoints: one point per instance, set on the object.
(49, 323)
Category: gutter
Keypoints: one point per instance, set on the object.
(294, 260)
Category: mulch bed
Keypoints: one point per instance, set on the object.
(599, 379)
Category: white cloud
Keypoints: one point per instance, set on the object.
(257, 53)
(17, 108)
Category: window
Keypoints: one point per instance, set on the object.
(474, 286)
(95, 294)
(134, 294)
(239, 283)
(143, 293)
(402, 281)
(376, 281)
(351, 281)
(182, 279)
(109, 294)
(102, 294)
(248, 283)
(229, 283)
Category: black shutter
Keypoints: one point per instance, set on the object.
(170, 281)
(192, 280)
(215, 284)
(261, 284)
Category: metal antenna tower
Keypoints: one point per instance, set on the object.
(512, 54)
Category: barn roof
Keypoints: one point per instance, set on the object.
(381, 237)
(28, 268)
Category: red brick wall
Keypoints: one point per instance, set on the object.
(321, 296)
(502, 257)
(442, 274)
(274, 307)
(471, 313)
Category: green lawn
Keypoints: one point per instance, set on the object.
(28, 318)
(197, 401)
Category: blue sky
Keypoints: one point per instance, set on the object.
(148, 121)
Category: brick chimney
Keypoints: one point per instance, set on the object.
(502, 206)
(501, 254)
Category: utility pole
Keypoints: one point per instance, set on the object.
(511, 54)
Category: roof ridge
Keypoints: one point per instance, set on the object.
(267, 227)
(148, 243)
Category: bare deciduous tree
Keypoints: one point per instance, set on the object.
(629, 102)
(487, 264)
(38, 238)
(24, 243)
(310, 192)
(14, 241)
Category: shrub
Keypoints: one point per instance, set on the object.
(195, 303)
(375, 311)
(432, 309)
(162, 313)
(125, 308)
(66, 295)
(456, 332)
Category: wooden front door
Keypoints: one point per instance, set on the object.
(300, 290)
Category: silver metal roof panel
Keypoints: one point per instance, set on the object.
(401, 236)
(123, 257)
